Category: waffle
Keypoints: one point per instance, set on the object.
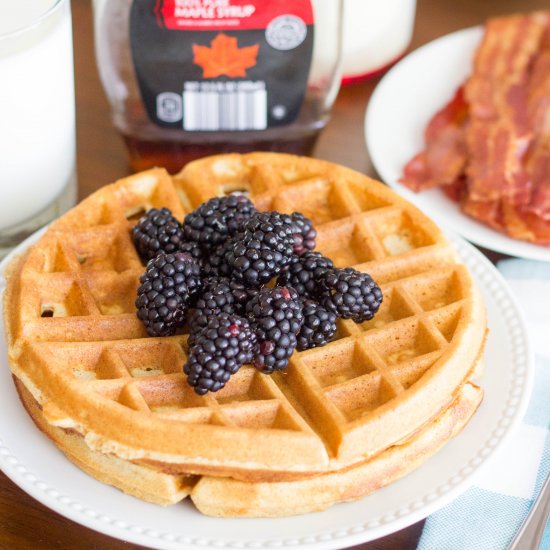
(226, 497)
(76, 345)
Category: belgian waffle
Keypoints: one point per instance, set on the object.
(77, 347)
(226, 497)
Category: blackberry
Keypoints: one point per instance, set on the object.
(217, 296)
(350, 294)
(219, 350)
(319, 326)
(262, 250)
(167, 288)
(303, 274)
(304, 235)
(214, 264)
(193, 249)
(157, 232)
(276, 316)
(242, 295)
(215, 220)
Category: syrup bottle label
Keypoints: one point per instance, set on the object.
(222, 65)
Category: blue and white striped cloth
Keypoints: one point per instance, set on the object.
(487, 516)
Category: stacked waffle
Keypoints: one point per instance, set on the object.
(343, 420)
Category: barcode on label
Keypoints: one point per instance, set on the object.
(213, 106)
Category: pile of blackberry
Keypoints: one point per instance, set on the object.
(248, 286)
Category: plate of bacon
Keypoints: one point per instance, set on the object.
(461, 128)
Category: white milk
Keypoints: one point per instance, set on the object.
(37, 121)
(375, 32)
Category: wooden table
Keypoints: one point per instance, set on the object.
(25, 523)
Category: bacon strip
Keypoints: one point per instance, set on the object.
(499, 135)
(444, 159)
(538, 163)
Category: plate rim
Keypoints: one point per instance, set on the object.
(490, 238)
(522, 365)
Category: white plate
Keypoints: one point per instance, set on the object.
(35, 464)
(399, 110)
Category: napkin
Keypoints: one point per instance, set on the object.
(488, 515)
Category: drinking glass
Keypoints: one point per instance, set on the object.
(37, 116)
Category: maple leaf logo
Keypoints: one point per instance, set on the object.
(224, 57)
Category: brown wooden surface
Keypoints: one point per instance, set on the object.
(24, 522)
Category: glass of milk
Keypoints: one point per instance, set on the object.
(376, 33)
(37, 116)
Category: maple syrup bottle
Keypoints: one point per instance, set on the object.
(189, 78)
